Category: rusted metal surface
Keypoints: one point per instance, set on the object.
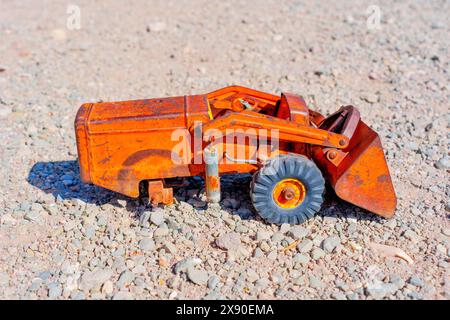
(294, 108)
(158, 194)
(121, 144)
(358, 173)
(288, 130)
(212, 179)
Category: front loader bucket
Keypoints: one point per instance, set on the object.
(359, 173)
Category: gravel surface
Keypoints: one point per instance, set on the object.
(60, 238)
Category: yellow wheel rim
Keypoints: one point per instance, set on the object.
(289, 193)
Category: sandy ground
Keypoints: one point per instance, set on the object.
(62, 239)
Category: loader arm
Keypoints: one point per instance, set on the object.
(288, 130)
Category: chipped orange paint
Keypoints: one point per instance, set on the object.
(214, 183)
(121, 144)
(362, 176)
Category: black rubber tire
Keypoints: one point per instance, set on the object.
(285, 167)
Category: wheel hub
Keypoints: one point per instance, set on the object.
(289, 193)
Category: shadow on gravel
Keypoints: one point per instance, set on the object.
(62, 180)
(234, 194)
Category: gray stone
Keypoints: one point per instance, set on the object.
(299, 281)
(272, 255)
(69, 225)
(277, 237)
(305, 246)
(123, 295)
(415, 295)
(54, 290)
(4, 279)
(317, 253)
(284, 227)
(380, 290)
(94, 262)
(118, 252)
(213, 281)
(298, 232)
(263, 235)
(170, 247)
(416, 281)
(79, 296)
(140, 269)
(35, 284)
(264, 246)
(144, 218)
(172, 224)
(411, 145)
(140, 282)
(252, 275)
(5, 111)
(34, 216)
(370, 97)
(147, 244)
(126, 278)
(330, 243)
(66, 266)
(262, 283)
(340, 284)
(199, 277)
(338, 296)
(352, 296)
(443, 163)
(241, 229)
(156, 26)
(411, 235)
(185, 264)
(157, 217)
(94, 279)
(44, 275)
(229, 241)
(173, 282)
(276, 277)
(391, 224)
(315, 283)
(397, 280)
(213, 295)
(102, 220)
(89, 232)
(258, 253)
(161, 232)
(437, 25)
(7, 219)
(301, 258)
(52, 209)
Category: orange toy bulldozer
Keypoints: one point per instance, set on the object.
(290, 150)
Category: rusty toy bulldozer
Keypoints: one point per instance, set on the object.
(123, 146)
